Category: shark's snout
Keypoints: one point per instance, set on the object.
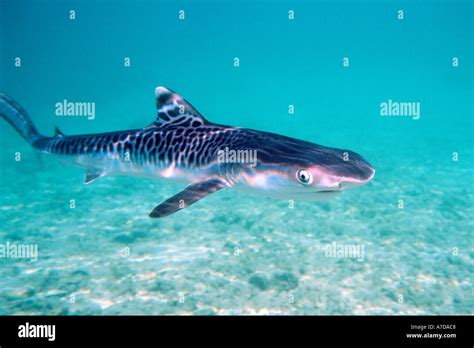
(346, 183)
(346, 170)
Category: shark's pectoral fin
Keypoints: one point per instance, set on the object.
(93, 174)
(188, 196)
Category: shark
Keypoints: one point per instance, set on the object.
(181, 145)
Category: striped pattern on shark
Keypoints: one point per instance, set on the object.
(181, 145)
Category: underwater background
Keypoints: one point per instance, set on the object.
(234, 253)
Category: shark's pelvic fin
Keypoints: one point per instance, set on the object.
(93, 174)
(173, 108)
(188, 196)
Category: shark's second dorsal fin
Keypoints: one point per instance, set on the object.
(58, 132)
(174, 109)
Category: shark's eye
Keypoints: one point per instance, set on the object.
(304, 176)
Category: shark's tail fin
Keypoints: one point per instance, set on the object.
(11, 111)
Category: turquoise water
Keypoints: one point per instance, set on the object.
(233, 253)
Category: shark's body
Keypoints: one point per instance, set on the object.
(182, 145)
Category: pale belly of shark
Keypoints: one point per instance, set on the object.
(181, 145)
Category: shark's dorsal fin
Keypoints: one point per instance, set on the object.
(174, 109)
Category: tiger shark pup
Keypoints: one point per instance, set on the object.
(181, 145)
